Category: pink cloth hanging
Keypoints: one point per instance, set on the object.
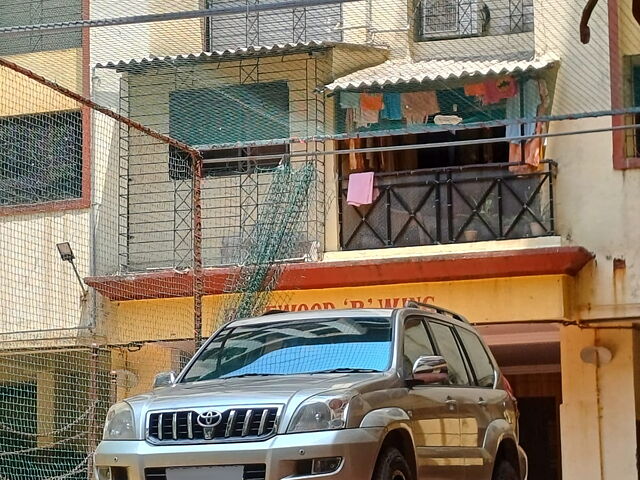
(361, 189)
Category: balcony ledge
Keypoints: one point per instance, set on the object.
(469, 265)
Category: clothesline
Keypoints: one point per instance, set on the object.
(364, 109)
(528, 100)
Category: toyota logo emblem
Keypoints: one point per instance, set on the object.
(209, 419)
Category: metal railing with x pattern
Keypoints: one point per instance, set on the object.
(451, 205)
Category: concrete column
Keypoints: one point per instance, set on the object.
(598, 412)
(46, 403)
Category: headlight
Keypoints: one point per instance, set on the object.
(322, 412)
(119, 424)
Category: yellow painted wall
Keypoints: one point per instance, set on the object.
(144, 364)
(26, 96)
(628, 29)
(598, 411)
(520, 299)
(38, 290)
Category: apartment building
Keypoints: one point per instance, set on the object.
(533, 240)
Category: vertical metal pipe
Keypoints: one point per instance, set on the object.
(500, 210)
(450, 206)
(92, 438)
(198, 281)
(552, 219)
(388, 208)
(438, 186)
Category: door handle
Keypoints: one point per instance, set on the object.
(482, 402)
(451, 403)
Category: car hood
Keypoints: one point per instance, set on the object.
(247, 390)
(288, 391)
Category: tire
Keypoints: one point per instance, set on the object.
(505, 471)
(392, 465)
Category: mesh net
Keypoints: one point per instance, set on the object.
(222, 147)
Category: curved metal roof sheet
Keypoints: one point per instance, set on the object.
(394, 72)
(231, 54)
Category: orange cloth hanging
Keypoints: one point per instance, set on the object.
(356, 160)
(371, 101)
(499, 89)
(475, 90)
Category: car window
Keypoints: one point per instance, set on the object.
(448, 347)
(480, 361)
(416, 342)
(296, 347)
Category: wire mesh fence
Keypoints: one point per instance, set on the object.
(221, 147)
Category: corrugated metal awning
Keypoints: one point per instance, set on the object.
(394, 72)
(234, 54)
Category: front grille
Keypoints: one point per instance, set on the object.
(251, 472)
(235, 424)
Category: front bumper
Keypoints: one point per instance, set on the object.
(281, 454)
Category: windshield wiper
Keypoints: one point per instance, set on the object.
(346, 370)
(252, 375)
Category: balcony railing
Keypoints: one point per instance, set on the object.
(273, 27)
(441, 19)
(451, 205)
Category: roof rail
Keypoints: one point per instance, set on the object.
(435, 308)
(273, 312)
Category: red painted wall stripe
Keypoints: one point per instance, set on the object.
(304, 276)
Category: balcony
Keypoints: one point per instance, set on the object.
(451, 205)
(447, 19)
(272, 27)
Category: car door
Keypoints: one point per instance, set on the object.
(447, 345)
(434, 414)
(480, 404)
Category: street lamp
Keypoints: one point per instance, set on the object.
(66, 254)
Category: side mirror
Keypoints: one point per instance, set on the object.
(164, 379)
(430, 369)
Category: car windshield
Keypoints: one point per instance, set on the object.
(326, 345)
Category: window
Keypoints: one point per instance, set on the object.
(296, 347)
(632, 94)
(180, 162)
(416, 342)
(275, 27)
(33, 12)
(448, 347)
(18, 406)
(439, 19)
(230, 114)
(482, 365)
(40, 158)
(449, 17)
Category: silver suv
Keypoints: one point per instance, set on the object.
(404, 394)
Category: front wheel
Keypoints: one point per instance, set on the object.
(392, 465)
(505, 471)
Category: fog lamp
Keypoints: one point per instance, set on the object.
(325, 465)
(103, 473)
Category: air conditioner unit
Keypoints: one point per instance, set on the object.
(452, 18)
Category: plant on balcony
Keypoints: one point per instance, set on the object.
(486, 214)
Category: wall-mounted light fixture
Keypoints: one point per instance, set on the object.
(596, 355)
(66, 254)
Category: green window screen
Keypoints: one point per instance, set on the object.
(40, 158)
(636, 85)
(34, 12)
(229, 114)
(19, 414)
